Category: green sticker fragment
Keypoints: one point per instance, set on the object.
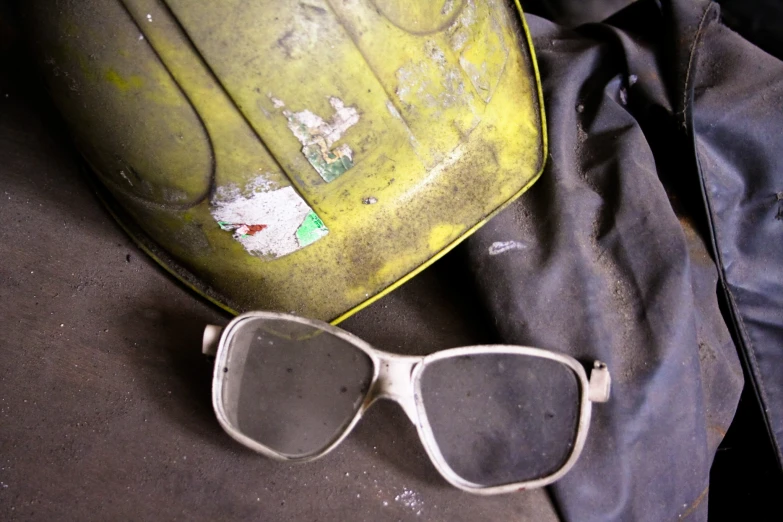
(311, 230)
(319, 137)
(329, 164)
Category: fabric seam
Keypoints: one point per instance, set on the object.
(692, 56)
(746, 351)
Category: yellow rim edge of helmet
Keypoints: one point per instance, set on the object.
(452, 245)
(141, 245)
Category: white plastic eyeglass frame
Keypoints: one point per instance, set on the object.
(397, 378)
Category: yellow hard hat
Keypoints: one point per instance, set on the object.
(303, 157)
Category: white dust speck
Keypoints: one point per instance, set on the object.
(499, 247)
(141, 37)
(385, 503)
(632, 79)
(149, 17)
(411, 500)
(370, 201)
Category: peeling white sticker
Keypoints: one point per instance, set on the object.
(231, 191)
(499, 247)
(317, 137)
(269, 224)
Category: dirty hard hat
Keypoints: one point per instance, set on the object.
(303, 157)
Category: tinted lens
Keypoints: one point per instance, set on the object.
(502, 418)
(292, 387)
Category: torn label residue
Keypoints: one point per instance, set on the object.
(241, 229)
(270, 224)
(498, 247)
(317, 137)
(311, 230)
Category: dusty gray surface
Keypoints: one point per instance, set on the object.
(105, 409)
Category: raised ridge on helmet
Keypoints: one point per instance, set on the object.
(301, 157)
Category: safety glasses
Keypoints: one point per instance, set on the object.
(493, 419)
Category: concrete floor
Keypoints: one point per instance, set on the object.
(105, 409)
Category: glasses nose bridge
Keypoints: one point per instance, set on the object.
(395, 382)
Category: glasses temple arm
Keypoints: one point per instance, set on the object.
(600, 383)
(211, 339)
